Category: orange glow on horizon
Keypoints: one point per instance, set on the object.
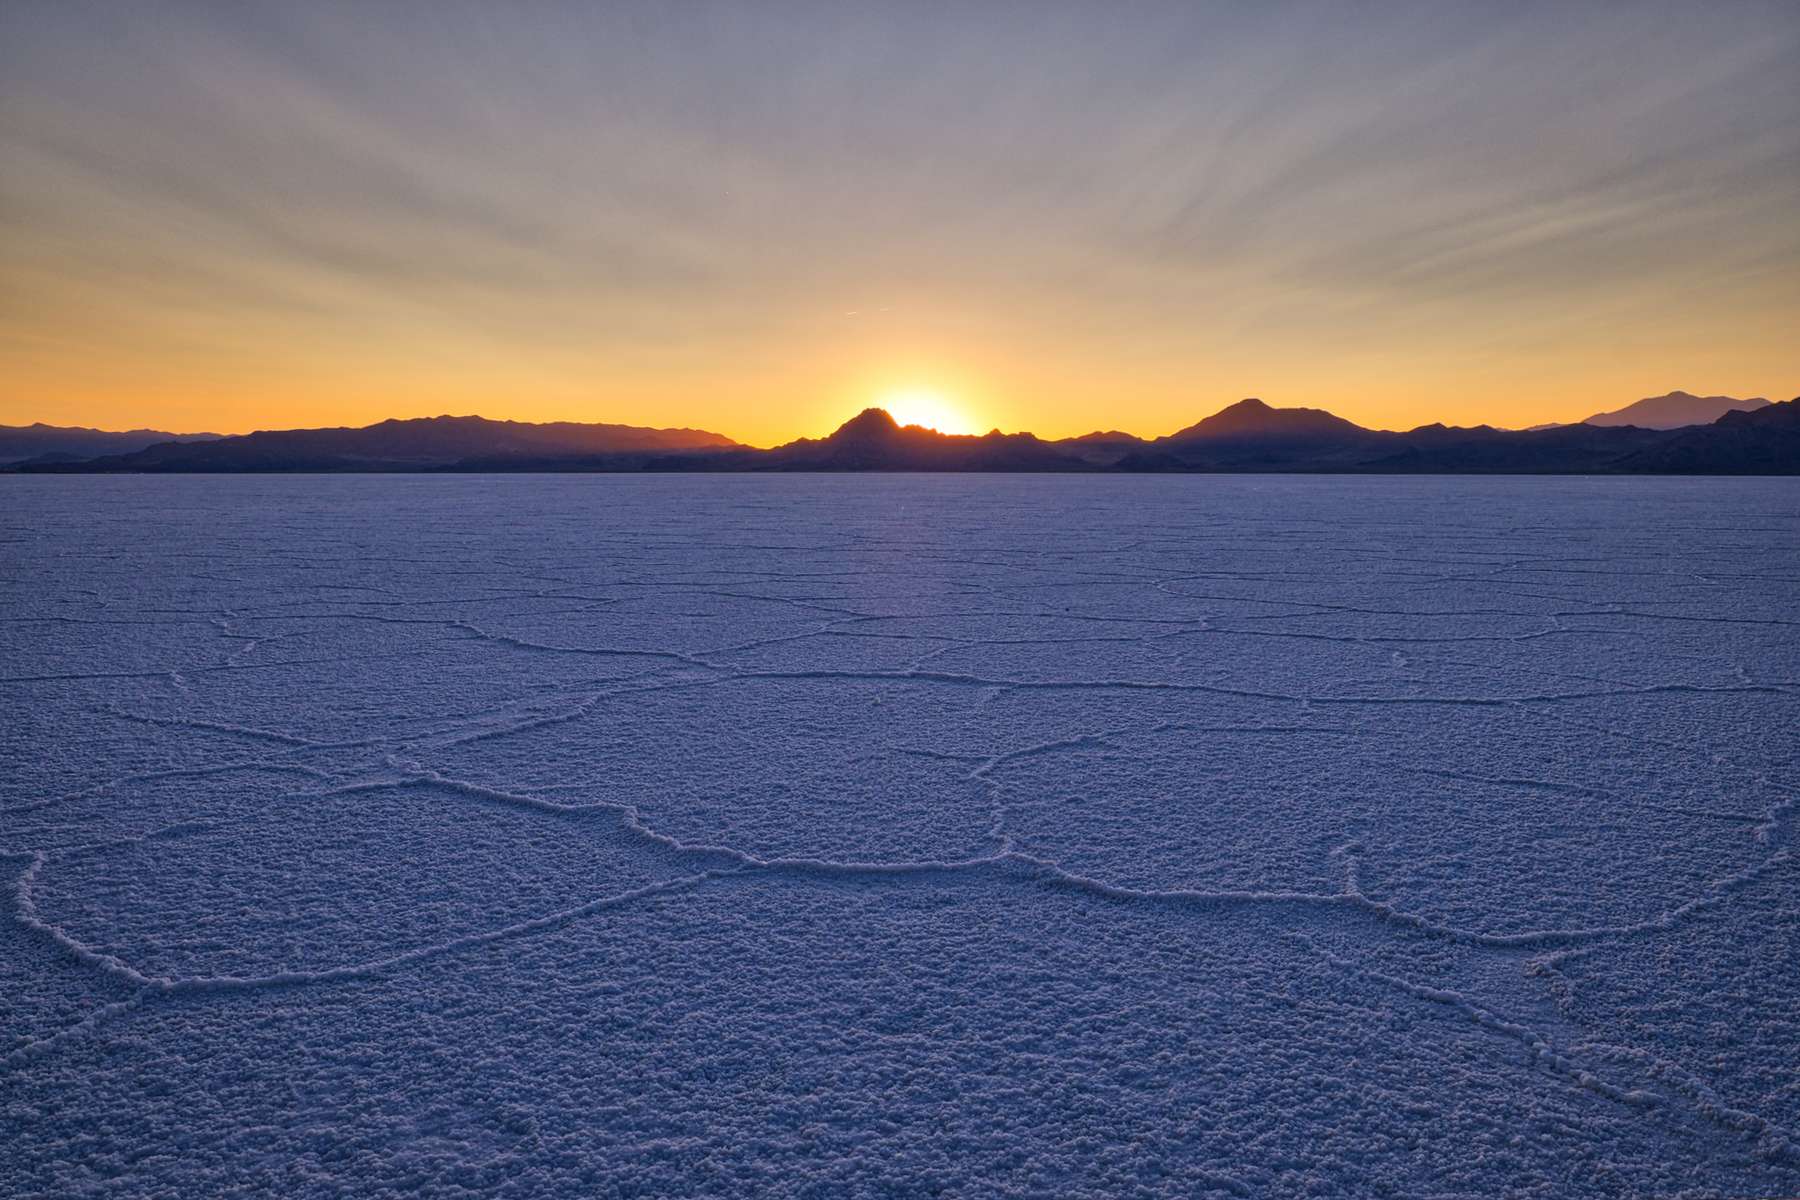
(771, 408)
(236, 375)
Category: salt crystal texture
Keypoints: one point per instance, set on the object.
(899, 835)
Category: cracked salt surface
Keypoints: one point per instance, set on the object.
(907, 835)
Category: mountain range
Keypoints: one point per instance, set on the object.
(1750, 437)
(73, 443)
(426, 443)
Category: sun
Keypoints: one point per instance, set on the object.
(927, 407)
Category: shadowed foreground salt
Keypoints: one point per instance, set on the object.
(900, 835)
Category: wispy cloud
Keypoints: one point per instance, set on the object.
(667, 201)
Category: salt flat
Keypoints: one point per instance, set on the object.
(899, 835)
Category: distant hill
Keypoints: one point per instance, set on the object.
(68, 443)
(422, 443)
(1101, 448)
(1559, 449)
(1675, 410)
(1248, 436)
(1252, 420)
(1253, 436)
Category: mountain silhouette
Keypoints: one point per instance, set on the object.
(1252, 419)
(19, 443)
(1761, 441)
(1557, 449)
(873, 441)
(1248, 436)
(1674, 410)
(1253, 436)
(420, 443)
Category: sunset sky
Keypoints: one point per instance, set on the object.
(757, 218)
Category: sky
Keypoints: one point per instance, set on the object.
(760, 218)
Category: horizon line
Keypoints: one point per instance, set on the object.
(866, 408)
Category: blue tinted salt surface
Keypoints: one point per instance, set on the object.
(899, 835)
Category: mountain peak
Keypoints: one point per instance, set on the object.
(869, 423)
(1673, 410)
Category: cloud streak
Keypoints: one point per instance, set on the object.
(636, 212)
